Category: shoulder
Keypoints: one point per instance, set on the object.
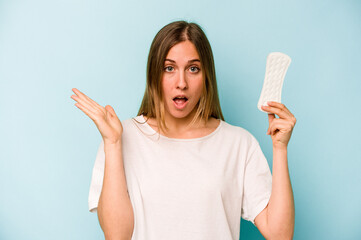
(237, 131)
(133, 126)
(132, 121)
(238, 134)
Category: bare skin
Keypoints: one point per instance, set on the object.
(277, 220)
(115, 211)
(182, 75)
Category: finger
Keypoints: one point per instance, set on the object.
(88, 99)
(87, 102)
(82, 96)
(84, 103)
(275, 110)
(287, 122)
(275, 127)
(85, 110)
(280, 106)
(280, 124)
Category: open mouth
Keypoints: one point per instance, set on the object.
(180, 102)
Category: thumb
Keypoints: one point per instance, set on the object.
(271, 116)
(110, 110)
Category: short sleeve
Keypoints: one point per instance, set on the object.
(96, 183)
(257, 183)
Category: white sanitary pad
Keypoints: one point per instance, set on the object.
(276, 68)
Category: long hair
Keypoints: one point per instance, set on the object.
(152, 105)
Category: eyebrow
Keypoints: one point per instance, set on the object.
(190, 61)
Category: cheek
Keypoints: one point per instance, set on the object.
(165, 87)
(198, 86)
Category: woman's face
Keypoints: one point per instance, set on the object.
(182, 80)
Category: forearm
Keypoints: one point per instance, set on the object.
(281, 210)
(115, 211)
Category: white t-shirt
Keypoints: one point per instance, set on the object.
(194, 189)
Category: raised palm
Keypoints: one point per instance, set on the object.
(104, 118)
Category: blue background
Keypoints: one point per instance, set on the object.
(48, 146)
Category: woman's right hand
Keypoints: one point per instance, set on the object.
(104, 118)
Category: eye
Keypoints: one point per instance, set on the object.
(194, 69)
(168, 68)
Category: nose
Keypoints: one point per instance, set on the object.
(182, 81)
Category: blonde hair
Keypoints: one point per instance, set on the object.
(152, 105)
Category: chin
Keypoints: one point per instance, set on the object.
(179, 115)
(182, 114)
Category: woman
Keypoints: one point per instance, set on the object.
(178, 170)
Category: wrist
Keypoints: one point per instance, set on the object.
(112, 144)
(279, 148)
(279, 155)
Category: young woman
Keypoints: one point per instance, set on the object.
(178, 170)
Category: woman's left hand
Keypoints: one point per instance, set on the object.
(280, 128)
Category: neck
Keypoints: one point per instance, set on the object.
(182, 125)
(178, 126)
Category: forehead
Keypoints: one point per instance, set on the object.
(185, 50)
